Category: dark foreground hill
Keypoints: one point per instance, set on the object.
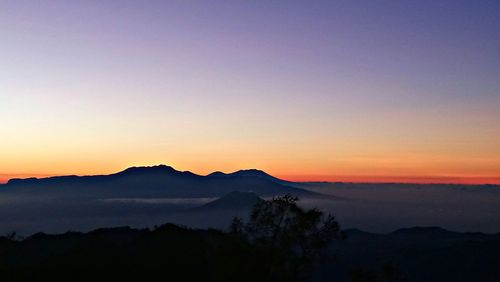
(173, 253)
(419, 254)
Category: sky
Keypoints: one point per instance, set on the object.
(306, 90)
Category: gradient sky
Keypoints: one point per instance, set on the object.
(306, 90)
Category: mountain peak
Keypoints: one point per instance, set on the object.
(151, 169)
(248, 173)
(217, 174)
(233, 200)
(251, 172)
(243, 172)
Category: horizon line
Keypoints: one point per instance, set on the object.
(376, 179)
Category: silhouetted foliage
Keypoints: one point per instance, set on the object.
(362, 275)
(286, 238)
(13, 236)
(279, 242)
(387, 273)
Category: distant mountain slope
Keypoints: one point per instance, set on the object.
(156, 181)
(251, 173)
(231, 201)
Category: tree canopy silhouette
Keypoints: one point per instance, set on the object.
(280, 242)
(285, 237)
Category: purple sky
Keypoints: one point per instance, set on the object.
(313, 88)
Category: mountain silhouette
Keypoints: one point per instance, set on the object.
(247, 173)
(154, 181)
(233, 200)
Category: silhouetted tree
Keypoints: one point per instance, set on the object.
(390, 274)
(286, 238)
(362, 275)
(387, 273)
(13, 236)
(237, 226)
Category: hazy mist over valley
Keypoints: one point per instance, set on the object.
(147, 196)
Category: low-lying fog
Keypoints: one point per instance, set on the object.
(376, 208)
(386, 207)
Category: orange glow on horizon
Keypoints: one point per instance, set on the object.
(394, 179)
(472, 180)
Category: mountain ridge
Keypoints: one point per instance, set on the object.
(159, 181)
(154, 169)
